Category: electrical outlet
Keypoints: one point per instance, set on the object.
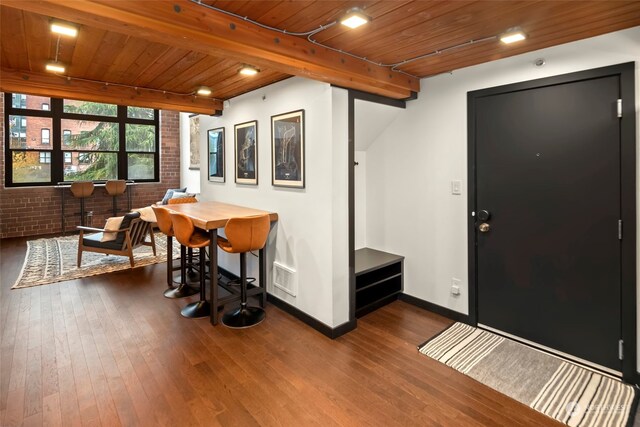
(455, 286)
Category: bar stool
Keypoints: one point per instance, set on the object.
(193, 238)
(192, 274)
(163, 219)
(81, 190)
(115, 188)
(244, 235)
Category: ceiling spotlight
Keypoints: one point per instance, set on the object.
(354, 18)
(64, 29)
(248, 70)
(55, 67)
(203, 91)
(512, 36)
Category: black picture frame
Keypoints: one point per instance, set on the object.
(246, 152)
(287, 149)
(216, 163)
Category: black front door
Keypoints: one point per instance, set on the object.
(548, 205)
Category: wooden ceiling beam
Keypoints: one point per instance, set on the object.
(61, 87)
(184, 24)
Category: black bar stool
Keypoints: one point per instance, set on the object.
(244, 235)
(163, 219)
(193, 238)
(115, 188)
(81, 190)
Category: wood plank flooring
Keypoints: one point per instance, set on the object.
(110, 350)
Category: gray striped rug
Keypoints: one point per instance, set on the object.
(567, 392)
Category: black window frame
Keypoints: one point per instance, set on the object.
(57, 114)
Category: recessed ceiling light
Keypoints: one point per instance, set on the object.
(354, 18)
(512, 36)
(203, 91)
(248, 70)
(64, 29)
(55, 67)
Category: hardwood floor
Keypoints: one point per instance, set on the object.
(110, 350)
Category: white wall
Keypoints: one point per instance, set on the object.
(189, 178)
(311, 235)
(360, 178)
(410, 210)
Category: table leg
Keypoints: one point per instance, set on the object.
(213, 272)
(262, 270)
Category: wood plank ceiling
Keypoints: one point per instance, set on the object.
(116, 46)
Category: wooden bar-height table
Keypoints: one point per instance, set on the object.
(210, 216)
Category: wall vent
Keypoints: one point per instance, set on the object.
(284, 278)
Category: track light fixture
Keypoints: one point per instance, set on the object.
(64, 29)
(203, 91)
(248, 70)
(512, 35)
(354, 18)
(55, 67)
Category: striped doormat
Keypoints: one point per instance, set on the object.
(567, 392)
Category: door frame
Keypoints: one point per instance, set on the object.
(626, 72)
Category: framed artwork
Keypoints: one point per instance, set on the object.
(215, 142)
(246, 152)
(194, 142)
(287, 149)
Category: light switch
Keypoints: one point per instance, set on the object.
(456, 187)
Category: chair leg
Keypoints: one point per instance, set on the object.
(201, 308)
(244, 316)
(170, 262)
(183, 290)
(80, 254)
(153, 240)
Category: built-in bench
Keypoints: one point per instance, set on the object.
(379, 279)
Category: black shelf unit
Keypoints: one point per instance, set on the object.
(379, 279)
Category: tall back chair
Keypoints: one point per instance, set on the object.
(244, 235)
(191, 237)
(81, 190)
(163, 219)
(115, 188)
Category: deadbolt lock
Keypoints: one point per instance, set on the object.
(484, 227)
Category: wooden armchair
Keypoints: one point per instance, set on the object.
(131, 234)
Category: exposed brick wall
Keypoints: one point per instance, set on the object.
(30, 211)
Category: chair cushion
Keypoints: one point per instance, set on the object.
(126, 222)
(113, 223)
(95, 240)
(169, 194)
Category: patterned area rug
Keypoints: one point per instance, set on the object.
(54, 260)
(562, 390)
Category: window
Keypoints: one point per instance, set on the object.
(86, 141)
(66, 137)
(19, 100)
(45, 136)
(45, 157)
